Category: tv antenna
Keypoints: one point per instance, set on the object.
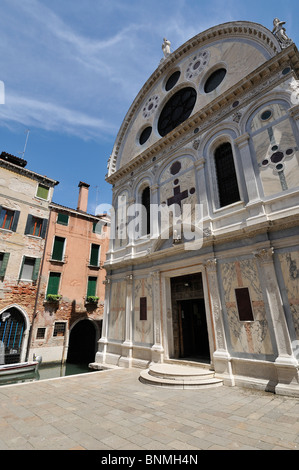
(23, 153)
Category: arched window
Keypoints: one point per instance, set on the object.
(228, 189)
(12, 329)
(145, 201)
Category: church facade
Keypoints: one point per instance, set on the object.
(203, 264)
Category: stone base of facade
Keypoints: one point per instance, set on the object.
(280, 377)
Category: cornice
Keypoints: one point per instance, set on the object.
(262, 79)
(25, 172)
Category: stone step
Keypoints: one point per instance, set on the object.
(179, 376)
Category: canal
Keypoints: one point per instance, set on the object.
(47, 371)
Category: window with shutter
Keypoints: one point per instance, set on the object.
(58, 249)
(34, 226)
(97, 227)
(4, 257)
(62, 219)
(53, 283)
(27, 269)
(42, 192)
(91, 286)
(94, 255)
(6, 218)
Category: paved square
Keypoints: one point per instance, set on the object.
(112, 410)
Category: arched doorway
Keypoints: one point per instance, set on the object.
(12, 334)
(82, 343)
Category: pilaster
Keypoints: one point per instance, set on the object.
(221, 356)
(242, 142)
(127, 345)
(285, 363)
(103, 341)
(157, 348)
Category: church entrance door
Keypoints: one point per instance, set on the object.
(190, 331)
(193, 341)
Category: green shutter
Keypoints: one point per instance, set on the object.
(36, 269)
(42, 192)
(97, 227)
(44, 228)
(53, 283)
(58, 247)
(28, 228)
(94, 255)
(92, 286)
(15, 221)
(63, 219)
(4, 264)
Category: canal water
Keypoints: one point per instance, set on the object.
(47, 371)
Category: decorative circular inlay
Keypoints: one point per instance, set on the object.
(198, 63)
(175, 168)
(150, 106)
(172, 81)
(266, 115)
(215, 79)
(145, 135)
(286, 70)
(277, 159)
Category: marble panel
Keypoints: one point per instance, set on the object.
(277, 155)
(143, 329)
(116, 318)
(290, 270)
(246, 337)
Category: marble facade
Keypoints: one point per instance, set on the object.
(248, 256)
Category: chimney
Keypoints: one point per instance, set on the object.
(83, 196)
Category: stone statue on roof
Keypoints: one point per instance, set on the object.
(166, 47)
(279, 32)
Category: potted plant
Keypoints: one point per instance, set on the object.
(53, 297)
(92, 299)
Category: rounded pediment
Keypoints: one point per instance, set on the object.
(187, 81)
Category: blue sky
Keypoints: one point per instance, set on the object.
(72, 68)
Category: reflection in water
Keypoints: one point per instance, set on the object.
(47, 371)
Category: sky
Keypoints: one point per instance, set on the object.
(72, 68)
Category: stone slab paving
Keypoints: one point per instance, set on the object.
(112, 410)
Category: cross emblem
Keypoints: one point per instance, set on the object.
(177, 197)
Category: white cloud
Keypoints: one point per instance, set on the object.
(53, 117)
(78, 77)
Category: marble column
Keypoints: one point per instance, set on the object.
(157, 348)
(286, 364)
(221, 356)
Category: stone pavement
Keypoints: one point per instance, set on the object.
(112, 410)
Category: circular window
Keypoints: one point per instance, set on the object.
(177, 110)
(145, 135)
(266, 115)
(214, 80)
(172, 81)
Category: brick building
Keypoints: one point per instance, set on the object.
(70, 303)
(24, 211)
